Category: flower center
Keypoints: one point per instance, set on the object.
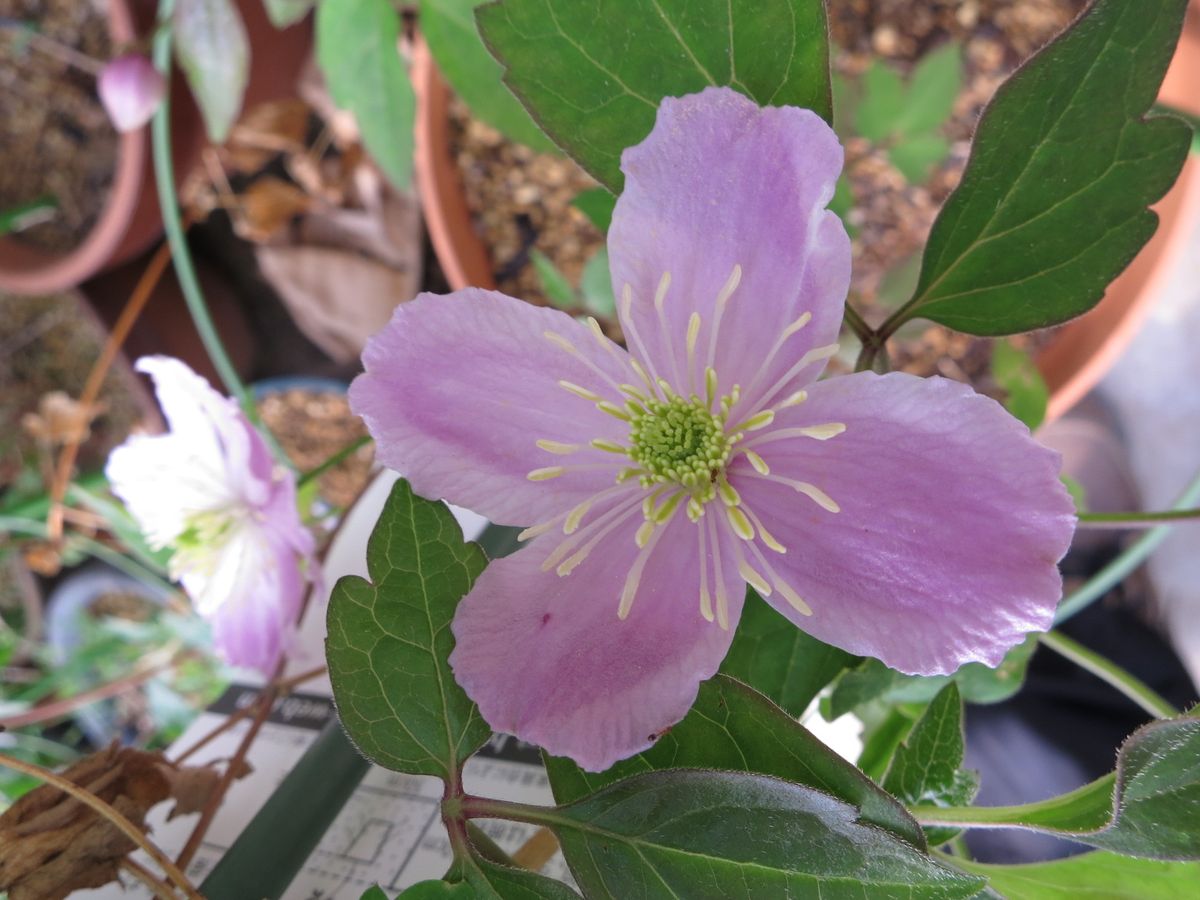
(678, 441)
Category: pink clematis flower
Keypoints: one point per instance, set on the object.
(210, 490)
(904, 518)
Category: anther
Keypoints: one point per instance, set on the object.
(558, 447)
(545, 474)
(579, 391)
(760, 464)
(610, 446)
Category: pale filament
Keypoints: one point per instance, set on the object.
(660, 296)
(603, 526)
(784, 589)
(634, 337)
(706, 609)
(817, 354)
(811, 491)
(718, 576)
(792, 329)
(822, 432)
(566, 346)
(731, 285)
(634, 578)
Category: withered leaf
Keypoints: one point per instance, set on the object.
(52, 844)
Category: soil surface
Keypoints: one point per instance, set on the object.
(311, 426)
(55, 138)
(523, 199)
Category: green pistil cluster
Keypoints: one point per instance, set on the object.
(679, 441)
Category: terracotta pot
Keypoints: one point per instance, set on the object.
(1078, 357)
(130, 220)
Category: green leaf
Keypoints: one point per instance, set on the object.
(554, 283)
(1015, 372)
(734, 728)
(872, 680)
(1098, 875)
(593, 77)
(915, 156)
(1052, 205)
(881, 103)
(448, 27)
(357, 52)
(1146, 808)
(597, 204)
(927, 766)
(492, 881)
(732, 835)
(881, 738)
(283, 13)
(212, 49)
(1077, 491)
(932, 91)
(433, 889)
(389, 639)
(775, 657)
(596, 285)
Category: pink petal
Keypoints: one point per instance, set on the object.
(722, 182)
(952, 521)
(130, 89)
(458, 389)
(255, 626)
(547, 658)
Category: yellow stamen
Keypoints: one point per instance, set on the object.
(760, 420)
(660, 294)
(609, 446)
(613, 410)
(545, 474)
(558, 447)
(579, 391)
(741, 525)
(561, 342)
(760, 464)
(823, 432)
(753, 579)
(794, 400)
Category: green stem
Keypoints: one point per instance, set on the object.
(1130, 559)
(857, 324)
(333, 461)
(1088, 805)
(164, 175)
(486, 808)
(487, 848)
(36, 529)
(1136, 519)
(1108, 671)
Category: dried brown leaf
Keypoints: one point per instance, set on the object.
(52, 844)
(267, 207)
(268, 130)
(61, 419)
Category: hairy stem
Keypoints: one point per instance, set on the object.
(1130, 559)
(1108, 671)
(1129, 520)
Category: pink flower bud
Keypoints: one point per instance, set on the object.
(130, 89)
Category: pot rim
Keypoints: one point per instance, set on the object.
(26, 270)
(1077, 358)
